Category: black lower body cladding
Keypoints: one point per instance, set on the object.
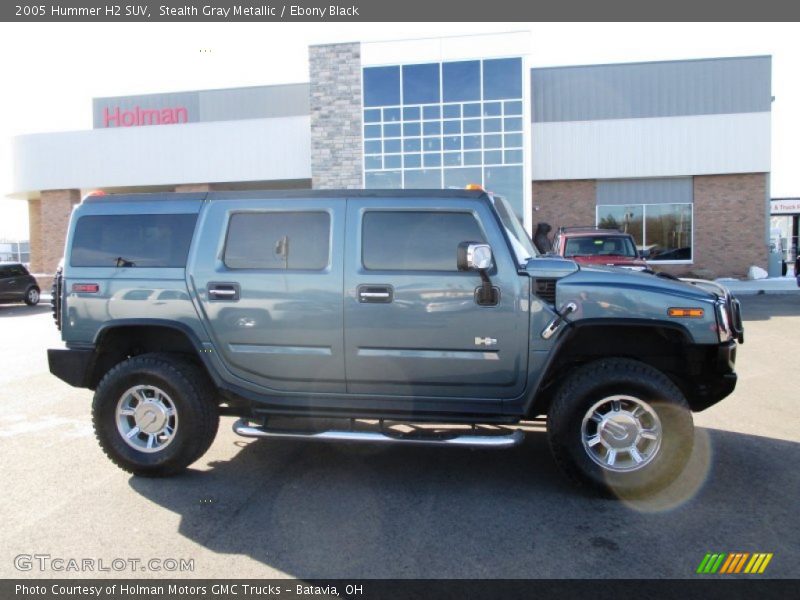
(716, 379)
(71, 365)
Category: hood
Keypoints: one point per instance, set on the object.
(602, 276)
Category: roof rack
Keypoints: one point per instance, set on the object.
(588, 228)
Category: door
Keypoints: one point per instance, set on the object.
(413, 325)
(270, 285)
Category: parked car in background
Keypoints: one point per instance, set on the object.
(594, 246)
(17, 284)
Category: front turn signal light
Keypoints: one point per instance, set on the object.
(691, 313)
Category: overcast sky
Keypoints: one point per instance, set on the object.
(51, 72)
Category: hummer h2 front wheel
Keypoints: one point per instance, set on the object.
(154, 414)
(620, 426)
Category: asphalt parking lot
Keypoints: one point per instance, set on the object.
(272, 508)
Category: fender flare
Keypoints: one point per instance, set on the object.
(568, 333)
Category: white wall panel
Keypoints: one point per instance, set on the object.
(245, 150)
(652, 147)
(443, 49)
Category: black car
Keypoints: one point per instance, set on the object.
(17, 284)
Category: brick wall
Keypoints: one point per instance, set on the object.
(35, 233)
(49, 220)
(729, 220)
(564, 203)
(336, 154)
(730, 223)
(193, 187)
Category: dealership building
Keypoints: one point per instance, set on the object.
(675, 152)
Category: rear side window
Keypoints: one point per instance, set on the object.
(278, 240)
(16, 271)
(140, 240)
(416, 241)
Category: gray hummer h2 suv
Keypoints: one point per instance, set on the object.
(378, 316)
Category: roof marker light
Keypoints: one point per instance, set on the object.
(94, 194)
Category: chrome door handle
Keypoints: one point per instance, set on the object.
(378, 294)
(223, 291)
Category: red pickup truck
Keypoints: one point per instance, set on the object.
(591, 245)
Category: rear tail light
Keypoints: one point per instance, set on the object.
(86, 288)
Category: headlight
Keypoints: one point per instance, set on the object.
(723, 322)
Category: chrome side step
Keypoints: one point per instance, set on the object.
(245, 429)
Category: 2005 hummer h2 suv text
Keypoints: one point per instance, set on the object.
(373, 315)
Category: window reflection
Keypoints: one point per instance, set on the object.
(381, 86)
(461, 81)
(663, 232)
(420, 84)
(448, 124)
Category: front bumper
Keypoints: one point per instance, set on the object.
(72, 365)
(717, 379)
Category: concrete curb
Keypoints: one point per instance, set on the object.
(764, 292)
(758, 287)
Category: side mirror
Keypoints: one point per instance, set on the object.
(474, 256)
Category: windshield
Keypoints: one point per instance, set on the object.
(600, 245)
(520, 242)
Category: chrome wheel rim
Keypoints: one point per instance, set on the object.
(146, 418)
(33, 296)
(621, 433)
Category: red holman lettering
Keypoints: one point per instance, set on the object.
(137, 116)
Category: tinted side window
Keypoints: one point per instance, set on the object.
(144, 240)
(416, 241)
(5, 271)
(278, 240)
(17, 271)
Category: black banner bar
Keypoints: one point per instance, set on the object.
(397, 589)
(396, 10)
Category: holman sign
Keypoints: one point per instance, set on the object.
(146, 109)
(137, 116)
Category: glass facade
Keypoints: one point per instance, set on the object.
(443, 125)
(663, 232)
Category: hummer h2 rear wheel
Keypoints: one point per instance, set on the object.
(620, 426)
(154, 414)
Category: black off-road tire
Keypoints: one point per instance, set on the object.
(32, 296)
(598, 380)
(55, 296)
(190, 390)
